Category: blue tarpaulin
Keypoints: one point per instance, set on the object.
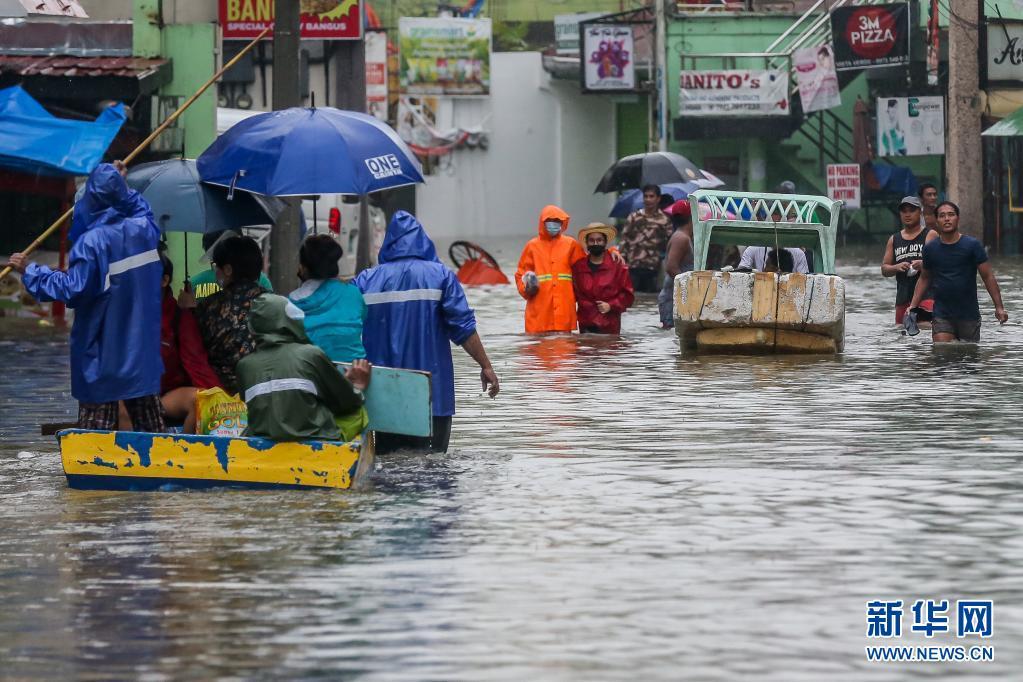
(34, 141)
(897, 180)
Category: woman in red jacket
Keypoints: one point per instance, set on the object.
(186, 369)
(602, 286)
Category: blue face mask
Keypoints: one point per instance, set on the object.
(553, 227)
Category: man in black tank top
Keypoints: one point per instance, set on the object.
(903, 258)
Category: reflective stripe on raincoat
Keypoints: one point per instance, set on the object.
(552, 309)
(113, 284)
(292, 389)
(416, 309)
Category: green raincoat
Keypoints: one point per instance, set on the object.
(292, 389)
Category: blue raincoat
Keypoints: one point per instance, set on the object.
(113, 284)
(416, 309)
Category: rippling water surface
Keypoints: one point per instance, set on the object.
(618, 512)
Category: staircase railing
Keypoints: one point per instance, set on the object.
(830, 135)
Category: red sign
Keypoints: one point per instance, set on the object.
(321, 19)
(871, 32)
(870, 36)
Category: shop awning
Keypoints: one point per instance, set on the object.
(34, 141)
(1010, 126)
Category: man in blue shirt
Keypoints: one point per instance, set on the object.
(951, 264)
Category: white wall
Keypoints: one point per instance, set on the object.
(548, 144)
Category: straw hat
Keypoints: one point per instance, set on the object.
(609, 232)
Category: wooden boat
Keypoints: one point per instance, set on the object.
(762, 312)
(397, 401)
(128, 460)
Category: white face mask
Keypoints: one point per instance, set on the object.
(553, 227)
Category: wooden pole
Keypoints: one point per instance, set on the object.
(146, 142)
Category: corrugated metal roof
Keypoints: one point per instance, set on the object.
(69, 67)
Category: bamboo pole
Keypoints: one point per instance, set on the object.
(146, 142)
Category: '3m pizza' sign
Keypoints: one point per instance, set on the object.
(870, 36)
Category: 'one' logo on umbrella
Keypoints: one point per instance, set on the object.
(385, 166)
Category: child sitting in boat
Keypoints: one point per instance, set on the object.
(292, 389)
(334, 310)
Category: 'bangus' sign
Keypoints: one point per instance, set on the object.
(869, 36)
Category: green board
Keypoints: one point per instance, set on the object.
(399, 401)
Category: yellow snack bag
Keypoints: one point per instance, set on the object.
(220, 414)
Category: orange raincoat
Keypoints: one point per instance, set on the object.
(552, 309)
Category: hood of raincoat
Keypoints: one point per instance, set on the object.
(551, 212)
(406, 238)
(274, 319)
(104, 190)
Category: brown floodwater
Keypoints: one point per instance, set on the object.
(618, 512)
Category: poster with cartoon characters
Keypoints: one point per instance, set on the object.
(608, 58)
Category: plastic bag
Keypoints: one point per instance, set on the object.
(220, 414)
(352, 425)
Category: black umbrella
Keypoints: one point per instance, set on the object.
(656, 168)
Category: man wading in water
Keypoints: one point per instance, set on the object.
(903, 258)
(951, 264)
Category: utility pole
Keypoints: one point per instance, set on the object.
(286, 232)
(964, 171)
(351, 95)
(661, 45)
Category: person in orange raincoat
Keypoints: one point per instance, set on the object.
(544, 275)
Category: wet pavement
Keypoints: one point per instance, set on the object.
(619, 511)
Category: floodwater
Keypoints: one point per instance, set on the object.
(618, 512)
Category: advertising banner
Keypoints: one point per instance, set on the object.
(1005, 52)
(566, 31)
(734, 93)
(815, 74)
(910, 126)
(844, 184)
(867, 36)
(444, 56)
(609, 60)
(321, 19)
(376, 74)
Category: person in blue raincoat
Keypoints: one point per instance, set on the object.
(113, 284)
(416, 309)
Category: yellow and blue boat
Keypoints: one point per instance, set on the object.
(128, 460)
(397, 401)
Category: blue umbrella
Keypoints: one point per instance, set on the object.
(181, 203)
(307, 151)
(632, 200)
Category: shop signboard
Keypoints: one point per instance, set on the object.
(1005, 53)
(320, 20)
(734, 93)
(910, 126)
(816, 77)
(609, 62)
(868, 36)
(566, 32)
(376, 74)
(844, 184)
(444, 56)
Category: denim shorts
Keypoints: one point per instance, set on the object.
(963, 330)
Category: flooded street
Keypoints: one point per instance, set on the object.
(619, 512)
